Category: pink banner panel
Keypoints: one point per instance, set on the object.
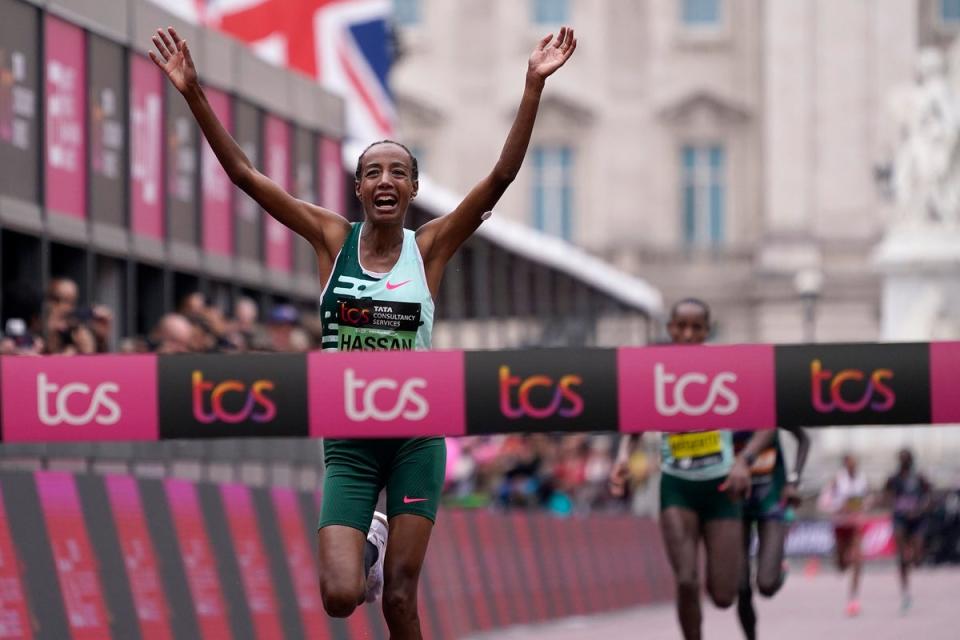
(63, 398)
(215, 185)
(139, 557)
(331, 179)
(252, 560)
(945, 382)
(300, 562)
(76, 565)
(66, 121)
(278, 239)
(385, 394)
(14, 612)
(198, 560)
(146, 148)
(681, 388)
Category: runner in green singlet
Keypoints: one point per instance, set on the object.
(702, 484)
(376, 262)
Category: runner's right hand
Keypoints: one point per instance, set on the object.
(177, 63)
(618, 478)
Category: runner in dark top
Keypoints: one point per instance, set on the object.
(908, 493)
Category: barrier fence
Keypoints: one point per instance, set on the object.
(455, 393)
(88, 556)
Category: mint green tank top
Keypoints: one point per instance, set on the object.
(366, 311)
(700, 455)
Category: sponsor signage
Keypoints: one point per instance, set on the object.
(852, 384)
(107, 108)
(181, 134)
(76, 565)
(216, 189)
(252, 560)
(386, 394)
(330, 168)
(299, 557)
(146, 148)
(278, 239)
(139, 557)
(541, 390)
(63, 398)
(945, 382)
(14, 612)
(198, 560)
(19, 86)
(682, 388)
(65, 110)
(203, 396)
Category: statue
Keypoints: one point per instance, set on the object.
(925, 179)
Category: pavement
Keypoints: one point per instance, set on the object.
(809, 607)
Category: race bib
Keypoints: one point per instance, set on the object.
(694, 445)
(377, 325)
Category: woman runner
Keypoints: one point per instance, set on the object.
(375, 262)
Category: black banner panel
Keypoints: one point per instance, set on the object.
(248, 226)
(182, 162)
(853, 384)
(545, 390)
(204, 396)
(19, 87)
(106, 110)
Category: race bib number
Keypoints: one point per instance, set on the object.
(693, 451)
(377, 325)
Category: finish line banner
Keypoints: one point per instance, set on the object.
(456, 393)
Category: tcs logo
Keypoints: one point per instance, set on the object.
(878, 395)
(257, 406)
(353, 315)
(566, 402)
(101, 407)
(395, 400)
(670, 393)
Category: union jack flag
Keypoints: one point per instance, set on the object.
(345, 44)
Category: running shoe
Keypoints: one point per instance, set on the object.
(853, 608)
(377, 536)
(905, 603)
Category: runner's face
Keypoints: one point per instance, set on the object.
(689, 325)
(386, 183)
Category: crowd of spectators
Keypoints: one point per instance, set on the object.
(56, 324)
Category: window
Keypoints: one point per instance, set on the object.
(551, 11)
(701, 13)
(950, 11)
(704, 195)
(406, 12)
(553, 190)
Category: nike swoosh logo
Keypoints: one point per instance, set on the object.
(407, 500)
(391, 287)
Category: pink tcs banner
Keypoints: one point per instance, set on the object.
(682, 388)
(146, 148)
(77, 569)
(945, 382)
(14, 613)
(215, 185)
(278, 242)
(139, 558)
(300, 561)
(252, 560)
(331, 179)
(386, 394)
(198, 562)
(65, 108)
(64, 398)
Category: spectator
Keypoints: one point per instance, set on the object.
(61, 301)
(173, 334)
(280, 327)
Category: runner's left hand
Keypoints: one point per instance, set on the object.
(550, 56)
(737, 483)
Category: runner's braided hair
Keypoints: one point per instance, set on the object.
(414, 169)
